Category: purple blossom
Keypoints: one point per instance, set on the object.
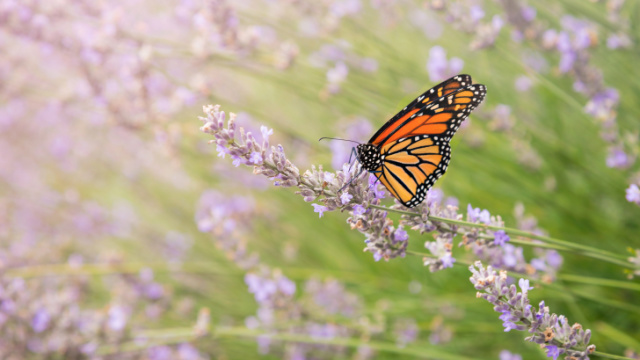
(160, 353)
(545, 328)
(617, 158)
(447, 261)
(320, 209)
(473, 214)
(523, 83)
(507, 355)
(256, 158)
(633, 194)
(345, 198)
(40, 320)
(476, 12)
(438, 66)
(117, 318)
(618, 41)
(400, 234)
(524, 285)
(552, 351)
(485, 216)
(500, 238)
(359, 210)
(373, 185)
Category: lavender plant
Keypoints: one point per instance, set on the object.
(551, 331)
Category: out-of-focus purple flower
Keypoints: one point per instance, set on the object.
(618, 41)
(359, 210)
(529, 13)
(602, 103)
(286, 286)
(40, 320)
(160, 353)
(187, 351)
(476, 12)
(523, 83)
(345, 8)
(507, 355)
(261, 288)
(118, 318)
(320, 209)
(439, 68)
(500, 238)
(617, 158)
(501, 119)
(633, 194)
(357, 130)
(406, 331)
(336, 76)
(369, 65)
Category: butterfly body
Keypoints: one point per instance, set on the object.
(411, 151)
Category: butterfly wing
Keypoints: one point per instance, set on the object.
(412, 165)
(414, 145)
(395, 123)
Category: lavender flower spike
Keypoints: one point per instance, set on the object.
(329, 191)
(551, 331)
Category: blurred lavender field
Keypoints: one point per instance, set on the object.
(127, 233)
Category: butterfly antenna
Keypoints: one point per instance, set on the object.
(332, 138)
(352, 179)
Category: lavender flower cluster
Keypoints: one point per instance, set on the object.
(551, 331)
(383, 239)
(487, 245)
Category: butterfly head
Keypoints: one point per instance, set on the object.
(369, 156)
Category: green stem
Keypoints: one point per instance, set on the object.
(563, 245)
(348, 342)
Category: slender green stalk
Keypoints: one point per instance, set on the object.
(561, 244)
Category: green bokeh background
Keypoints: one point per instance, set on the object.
(585, 202)
(585, 205)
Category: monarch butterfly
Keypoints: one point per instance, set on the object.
(411, 151)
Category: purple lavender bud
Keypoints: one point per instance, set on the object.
(485, 216)
(359, 210)
(345, 198)
(266, 132)
(506, 355)
(400, 234)
(320, 209)
(447, 261)
(500, 238)
(473, 214)
(256, 158)
(633, 194)
(552, 351)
